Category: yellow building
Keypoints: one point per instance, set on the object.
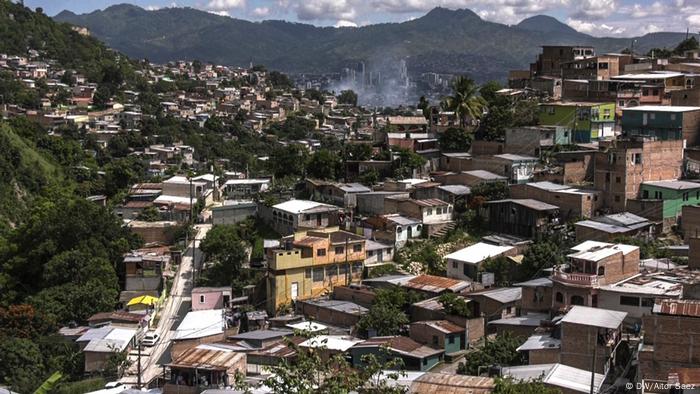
(309, 263)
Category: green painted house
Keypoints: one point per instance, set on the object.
(415, 356)
(663, 122)
(674, 194)
(586, 121)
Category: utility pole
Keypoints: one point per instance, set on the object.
(138, 368)
(595, 348)
(191, 205)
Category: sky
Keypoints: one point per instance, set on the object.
(617, 18)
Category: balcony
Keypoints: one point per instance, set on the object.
(579, 278)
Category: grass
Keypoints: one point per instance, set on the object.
(81, 386)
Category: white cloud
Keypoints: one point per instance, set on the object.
(594, 28)
(152, 8)
(344, 23)
(642, 11)
(309, 10)
(261, 11)
(221, 5)
(594, 8)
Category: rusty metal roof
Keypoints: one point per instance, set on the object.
(208, 357)
(444, 326)
(430, 202)
(400, 344)
(440, 383)
(117, 315)
(436, 284)
(678, 307)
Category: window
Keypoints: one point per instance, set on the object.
(603, 66)
(356, 268)
(617, 198)
(686, 196)
(339, 250)
(321, 252)
(629, 301)
(429, 211)
(343, 270)
(202, 299)
(331, 271)
(455, 265)
(307, 273)
(607, 177)
(438, 211)
(307, 217)
(425, 361)
(357, 248)
(576, 300)
(318, 274)
(621, 103)
(618, 179)
(435, 340)
(370, 253)
(645, 194)
(647, 302)
(559, 297)
(451, 339)
(637, 158)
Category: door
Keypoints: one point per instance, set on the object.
(295, 290)
(410, 232)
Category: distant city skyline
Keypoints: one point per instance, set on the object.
(615, 18)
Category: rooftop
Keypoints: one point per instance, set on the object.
(200, 324)
(299, 206)
(339, 305)
(595, 317)
(539, 342)
(436, 284)
(529, 203)
(597, 253)
(478, 252)
(674, 184)
(527, 320)
(573, 379)
(503, 295)
(444, 326)
(661, 108)
(207, 357)
(331, 342)
(483, 174)
(400, 344)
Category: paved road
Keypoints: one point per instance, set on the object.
(176, 307)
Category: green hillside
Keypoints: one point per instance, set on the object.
(450, 41)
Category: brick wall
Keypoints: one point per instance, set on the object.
(690, 221)
(675, 341)
(362, 297)
(543, 356)
(577, 344)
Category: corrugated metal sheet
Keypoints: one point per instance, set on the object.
(679, 307)
(436, 284)
(439, 383)
(203, 358)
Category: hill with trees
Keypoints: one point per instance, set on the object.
(448, 41)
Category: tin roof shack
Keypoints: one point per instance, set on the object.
(522, 217)
(330, 345)
(674, 193)
(415, 356)
(562, 378)
(455, 161)
(663, 123)
(518, 326)
(439, 334)
(671, 338)
(593, 265)
(99, 344)
(608, 227)
(198, 327)
(466, 263)
(118, 319)
(372, 203)
(536, 295)
(572, 202)
(204, 367)
(517, 168)
(496, 304)
(432, 309)
(336, 312)
(542, 348)
(584, 328)
(532, 140)
(469, 178)
(144, 268)
(622, 165)
(436, 215)
(450, 383)
(435, 285)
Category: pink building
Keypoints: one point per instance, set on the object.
(204, 298)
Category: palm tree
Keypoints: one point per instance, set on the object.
(465, 100)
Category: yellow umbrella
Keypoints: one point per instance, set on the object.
(144, 299)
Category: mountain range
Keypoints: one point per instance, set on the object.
(443, 41)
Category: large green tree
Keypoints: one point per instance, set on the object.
(456, 139)
(225, 253)
(465, 100)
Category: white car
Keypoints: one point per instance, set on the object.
(150, 339)
(114, 385)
